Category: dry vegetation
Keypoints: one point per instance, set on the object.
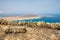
(34, 31)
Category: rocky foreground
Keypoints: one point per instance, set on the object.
(33, 34)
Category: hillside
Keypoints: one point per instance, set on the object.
(34, 34)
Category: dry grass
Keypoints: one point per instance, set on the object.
(34, 34)
(35, 31)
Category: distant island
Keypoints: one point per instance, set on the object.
(21, 17)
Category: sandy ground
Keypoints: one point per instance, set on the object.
(33, 34)
(18, 18)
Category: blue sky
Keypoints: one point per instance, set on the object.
(29, 6)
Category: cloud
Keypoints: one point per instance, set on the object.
(1, 11)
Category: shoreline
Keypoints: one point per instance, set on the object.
(18, 18)
(12, 18)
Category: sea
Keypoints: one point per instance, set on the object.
(49, 19)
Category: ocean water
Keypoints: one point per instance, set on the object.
(45, 19)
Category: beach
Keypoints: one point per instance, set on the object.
(19, 18)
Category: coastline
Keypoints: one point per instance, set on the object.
(19, 18)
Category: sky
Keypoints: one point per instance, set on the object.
(20, 7)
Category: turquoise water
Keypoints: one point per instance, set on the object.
(45, 19)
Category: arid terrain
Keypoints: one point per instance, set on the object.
(33, 34)
(20, 17)
(42, 31)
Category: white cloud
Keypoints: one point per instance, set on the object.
(1, 11)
